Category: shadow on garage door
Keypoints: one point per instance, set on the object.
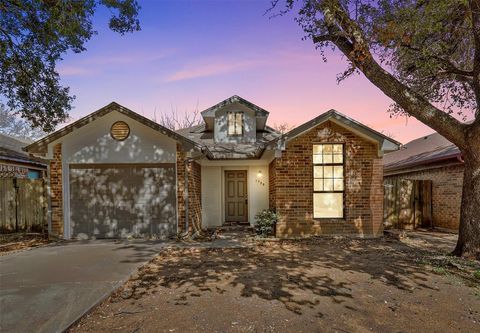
(119, 201)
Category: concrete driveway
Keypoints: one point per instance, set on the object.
(46, 289)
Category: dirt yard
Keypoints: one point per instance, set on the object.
(317, 285)
(20, 241)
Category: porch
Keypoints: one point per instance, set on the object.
(233, 192)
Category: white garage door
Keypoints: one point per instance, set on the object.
(119, 201)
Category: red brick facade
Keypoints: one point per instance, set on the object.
(272, 189)
(194, 192)
(56, 190)
(292, 191)
(447, 183)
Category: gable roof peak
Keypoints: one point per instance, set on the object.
(210, 112)
(385, 143)
(40, 146)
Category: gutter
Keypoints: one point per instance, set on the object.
(396, 172)
(25, 160)
(427, 163)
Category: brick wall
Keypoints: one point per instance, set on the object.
(293, 195)
(447, 183)
(194, 193)
(195, 177)
(56, 191)
(272, 184)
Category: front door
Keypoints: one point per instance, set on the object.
(236, 196)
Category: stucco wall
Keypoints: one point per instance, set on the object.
(93, 143)
(221, 124)
(213, 192)
(212, 196)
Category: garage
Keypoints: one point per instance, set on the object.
(120, 201)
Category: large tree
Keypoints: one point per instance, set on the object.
(11, 124)
(424, 55)
(34, 35)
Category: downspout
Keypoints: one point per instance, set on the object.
(185, 194)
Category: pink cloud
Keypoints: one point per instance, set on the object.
(211, 69)
(121, 59)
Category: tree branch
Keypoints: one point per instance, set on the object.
(475, 10)
(356, 49)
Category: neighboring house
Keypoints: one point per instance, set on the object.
(116, 173)
(22, 188)
(15, 163)
(434, 158)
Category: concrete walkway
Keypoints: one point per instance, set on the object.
(47, 288)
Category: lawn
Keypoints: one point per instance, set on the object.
(316, 285)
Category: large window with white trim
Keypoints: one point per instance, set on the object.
(328, 180)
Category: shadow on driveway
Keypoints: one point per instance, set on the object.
(46, 289)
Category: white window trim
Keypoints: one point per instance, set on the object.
(342, 217)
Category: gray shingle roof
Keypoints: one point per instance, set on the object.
(229, 150)
(11, 150)
(425, 150)
(40, 146)
(385, 143)
(259, 112)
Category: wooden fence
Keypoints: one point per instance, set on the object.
(407, 203)
(23, 205)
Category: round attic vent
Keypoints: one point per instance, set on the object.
(120, 130)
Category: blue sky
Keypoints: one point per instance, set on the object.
(198, 53)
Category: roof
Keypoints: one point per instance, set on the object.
(385, 143)
(223, 151)
(425, 150)
(11, 150)
(40, 146)
(259, 112)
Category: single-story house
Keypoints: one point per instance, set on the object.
(434, 158)
(115, 173)
(15, 163)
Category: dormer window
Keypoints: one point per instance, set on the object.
(235, 123)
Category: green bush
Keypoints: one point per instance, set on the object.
(265, 223)
(476, 274)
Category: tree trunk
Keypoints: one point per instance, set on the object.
(468, 244)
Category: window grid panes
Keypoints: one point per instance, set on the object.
(328, 180)
(235, 123)
(328, 168)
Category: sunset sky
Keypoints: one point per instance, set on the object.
(200, 53)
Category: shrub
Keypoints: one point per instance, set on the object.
(265, 223)
(476, 274)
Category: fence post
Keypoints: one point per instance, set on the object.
(15, 186)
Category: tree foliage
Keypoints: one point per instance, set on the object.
(33, 37)
(429, 46)
(425, 56)
(12, 125)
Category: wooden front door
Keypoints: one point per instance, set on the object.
(236, 196)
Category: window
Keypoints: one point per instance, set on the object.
(328, 181)
(235, 123)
